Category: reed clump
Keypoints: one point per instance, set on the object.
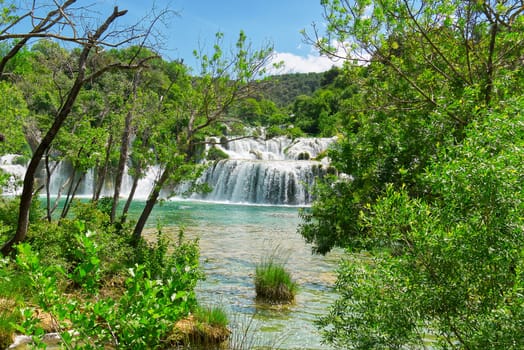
(273, 282)
(206, 328)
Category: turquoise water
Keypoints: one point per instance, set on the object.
(233, 238)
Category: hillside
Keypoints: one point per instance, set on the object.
(284, 89)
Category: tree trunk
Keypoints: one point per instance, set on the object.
(129, 200)
(47, 187)
(102, 172)
(51, 207)
(124, 151)
(150, 204)
(71, 195)
(27, 190)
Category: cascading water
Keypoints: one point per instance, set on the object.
(86, 188)
(8, 163)
(278, 171)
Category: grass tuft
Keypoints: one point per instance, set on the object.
(273, 282)
(214, 316)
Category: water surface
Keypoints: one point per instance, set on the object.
(232, 239)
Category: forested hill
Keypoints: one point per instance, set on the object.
(284, 89)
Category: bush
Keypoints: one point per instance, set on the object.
(215, 153)
(12, 289)
(9, 315)
(273, 282)
(155, 296)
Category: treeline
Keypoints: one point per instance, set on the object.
(301, 104)
(284, 89)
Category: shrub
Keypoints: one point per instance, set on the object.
(12, 287)
(214, 153)
(273, 282)
(8, 316)
(142, 317)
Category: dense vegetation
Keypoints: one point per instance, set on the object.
(284, 89)
(431, 214)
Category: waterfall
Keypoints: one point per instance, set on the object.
(15, 172)
(278, 171)
(63, 171)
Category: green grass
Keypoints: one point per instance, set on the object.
(213, 316)
(273, 283)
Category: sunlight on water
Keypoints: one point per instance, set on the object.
(233, 238)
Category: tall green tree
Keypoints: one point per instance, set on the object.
(430, 68)
(444, 272)
(197, 107)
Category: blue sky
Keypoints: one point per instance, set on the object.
(275, 21)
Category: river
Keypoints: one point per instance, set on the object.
(232, 239)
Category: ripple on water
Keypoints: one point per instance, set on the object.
(232, 240)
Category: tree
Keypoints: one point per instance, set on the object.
(431, 196)
(14, 110)
(81, 76)
(145, 89)
(444, 272)
(430, 69)
(454, 45)
(198, 106)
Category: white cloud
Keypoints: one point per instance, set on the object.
(293, 63)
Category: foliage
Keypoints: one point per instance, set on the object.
(428, 164)
(14, 111)
(13, 286)
(332, 220)
(447, 270)
(9, 212)
(58, 244)
(273, 283)
(178, 260)
(86, 276)
(283, 89)
(142, 316)
(402, 105)
(215, 153)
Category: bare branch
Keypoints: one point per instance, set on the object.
(41, 27)
(118, 65)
